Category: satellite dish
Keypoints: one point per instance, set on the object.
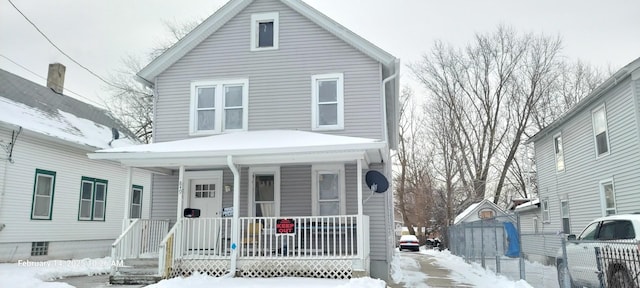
(376, 181)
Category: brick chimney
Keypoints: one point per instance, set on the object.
(55, 78)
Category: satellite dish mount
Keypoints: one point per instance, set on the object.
(376, 182)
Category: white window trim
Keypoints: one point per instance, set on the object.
(219, 106)
(561, 155)
(275, 170)
(562, 214)
(93, 190)
(535, 224)
(327, 168)
(261, 17)
(603, 199)
(606, 129)
(545, 212)
(315, 125)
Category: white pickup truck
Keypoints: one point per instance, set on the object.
(617, 236)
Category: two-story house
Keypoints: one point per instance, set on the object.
(268, 117)
(588, 161)
(55, 203)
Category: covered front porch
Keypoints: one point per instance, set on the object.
(244, 227)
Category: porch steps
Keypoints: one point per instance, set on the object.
(137, 271)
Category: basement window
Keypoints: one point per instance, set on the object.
(39, 248)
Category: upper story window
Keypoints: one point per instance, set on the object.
(600, 131)
(265, 28)
(559, 151)
(486, 214)
(328, 101)
(218, 106)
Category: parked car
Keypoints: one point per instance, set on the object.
(409, 242)
(616, 232)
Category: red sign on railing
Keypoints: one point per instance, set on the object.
(285, 226)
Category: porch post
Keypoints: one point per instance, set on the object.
(180, 191)
(235, 222)
(127, 198)
(360, 212)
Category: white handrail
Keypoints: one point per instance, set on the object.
(162, 249)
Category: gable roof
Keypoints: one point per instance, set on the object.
(41, 110)
(475, 207)
(231, 9)
(592, 97)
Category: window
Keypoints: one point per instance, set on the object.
(39, 248)
(559, 151)
(93, 199)
(265, 28)
(616, 230)
(535, 225)
(486, 214)
(600, 131)
(218, 106)
(328, 101)
(564, 211)
(43, 190)
(589, 233)
(607, 197)
(136, 202)
(264, 192)
(328, 190)
(545, 210)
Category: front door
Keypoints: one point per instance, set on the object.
(203, 233)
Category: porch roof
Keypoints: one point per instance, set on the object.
(249, 147)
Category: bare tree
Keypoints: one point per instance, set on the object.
(490, 89)
(414, 193)
(132, 102)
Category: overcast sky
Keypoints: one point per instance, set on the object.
(99, 33)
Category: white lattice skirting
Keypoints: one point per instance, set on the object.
(327, 268)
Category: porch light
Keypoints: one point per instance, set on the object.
(228, 188)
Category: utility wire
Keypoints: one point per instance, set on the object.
(45, 79)
(58, 48)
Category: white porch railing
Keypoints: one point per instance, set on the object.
(139, 240)
(326, 237)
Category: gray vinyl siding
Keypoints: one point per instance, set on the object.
(583, 172)
(164, 197)
(295, 191)
(279, 80)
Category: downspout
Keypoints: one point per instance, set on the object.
(384, 99)
(235, 223)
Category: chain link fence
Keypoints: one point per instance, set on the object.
(498, 245)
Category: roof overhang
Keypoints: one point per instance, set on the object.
(268, 147)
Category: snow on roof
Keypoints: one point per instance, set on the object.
(62, 125)
(527, 205)
(252, 141)
(465, 212)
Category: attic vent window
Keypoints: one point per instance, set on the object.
(264, 31)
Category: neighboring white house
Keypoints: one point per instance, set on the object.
(587, 161)
(268, 118)
(56, 203)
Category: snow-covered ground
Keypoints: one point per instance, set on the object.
(31, 274)
(472, 273)
(36, 275)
